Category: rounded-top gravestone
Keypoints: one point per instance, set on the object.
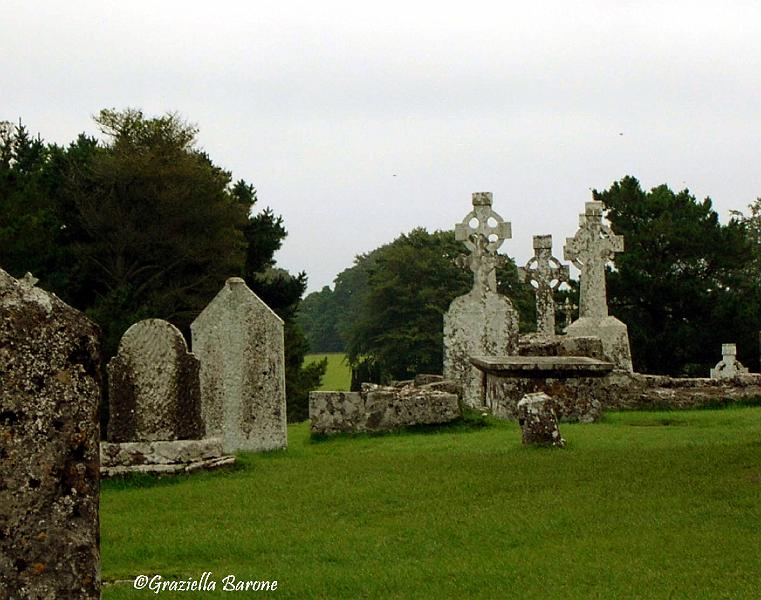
(154, 391)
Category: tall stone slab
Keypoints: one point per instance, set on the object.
(239, 341)
(481, 322)
(590, 250)
(154, 388)
(545, 274)
(49, 435)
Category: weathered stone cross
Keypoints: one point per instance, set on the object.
(483, 231)
(568, 308)
(589, 250)
(546, 271)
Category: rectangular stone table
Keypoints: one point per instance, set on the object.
(573, 382)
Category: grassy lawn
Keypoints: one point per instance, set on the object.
(338, 375)
(641, 505)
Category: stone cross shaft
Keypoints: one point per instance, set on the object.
(482, 231)
(590, 250)
(547, 273)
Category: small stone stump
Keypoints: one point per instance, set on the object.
(154, 390)
(728, 367)
(240, 343)
(538, 422)
(49, 471)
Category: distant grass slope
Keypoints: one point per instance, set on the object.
(338, 375)
(641, 505)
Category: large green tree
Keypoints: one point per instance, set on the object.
(400, 293)
(142, 224)
(678, 284)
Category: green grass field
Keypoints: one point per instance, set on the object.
(338, 375)
(641, 505)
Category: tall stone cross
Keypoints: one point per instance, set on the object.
(589, 250)
(482, 231)
(547, 273)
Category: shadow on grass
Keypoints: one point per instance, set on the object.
(469, 422)
(149, 480)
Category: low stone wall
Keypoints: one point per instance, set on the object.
(162, 457)
(383, 408)
(584, 398)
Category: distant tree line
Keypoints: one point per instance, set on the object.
(684, 285)
(143, 224)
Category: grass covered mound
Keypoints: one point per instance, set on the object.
(641, 505)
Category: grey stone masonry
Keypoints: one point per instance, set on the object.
(153, 384)
(728, 367)
(537, 420)
(383, 408)
(49, 464)
(482, 322)
(239, 341)
(593, 246)
(546, 272)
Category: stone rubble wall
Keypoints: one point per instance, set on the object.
(49, 434)
(383, 408)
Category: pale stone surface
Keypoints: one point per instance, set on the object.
(206, 464)
(728, 367)
(153, 385)
(162, 452)
(49, 475)
(543, 366)
(545, 274)
(593, 246)
(568, 310)
(239, 341)
(481, 322)
(539, 426)
(531, 344)
(382, 408)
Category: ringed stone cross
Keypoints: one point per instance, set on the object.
(546, 271)
(568, 308)
(589, 250)
(482, 231)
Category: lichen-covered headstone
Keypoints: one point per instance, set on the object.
(239, 341)
(593, 246)
(545, 273)
(482, 322)
(49, 463)
(153, 386)
(728, 367)
(539, 425)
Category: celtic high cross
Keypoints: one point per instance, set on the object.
(483, 231)
(547, 273)
(590, 250)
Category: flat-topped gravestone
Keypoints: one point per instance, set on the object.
(49, 463)
(153, 386)
(728, 367)
(593, 246)
(482, 322)
(545, 274)
(239, 341)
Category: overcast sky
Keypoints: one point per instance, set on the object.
(359, 121)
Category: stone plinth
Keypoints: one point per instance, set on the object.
(538, 423)
(477, 324)
(382, 408)
(613, 334)
(154, 389)
(239, 341)
(163, 457)
(49, 471)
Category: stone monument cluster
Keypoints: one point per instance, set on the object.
(173, 410)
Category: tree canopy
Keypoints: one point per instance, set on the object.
(679, 283)
(142, 224)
